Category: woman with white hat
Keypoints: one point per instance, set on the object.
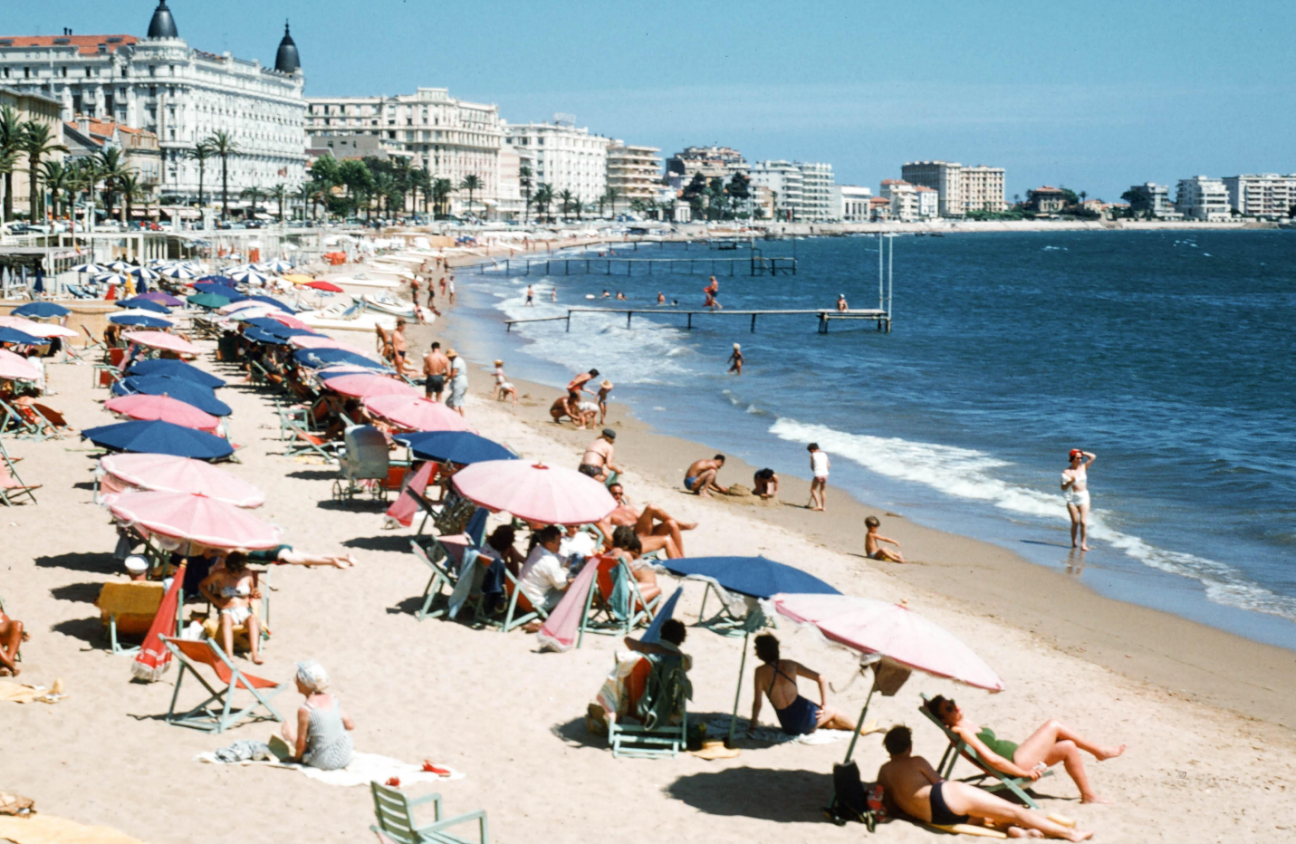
(322, 738)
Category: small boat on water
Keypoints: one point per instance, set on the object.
(388, 304)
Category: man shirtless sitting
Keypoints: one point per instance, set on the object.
(656, 529)
(584, 416)
(11, 638)
(912, 786)
(701, 476)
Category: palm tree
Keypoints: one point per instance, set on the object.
(471, 184)
(224, 146)
(131, 189)
(306, 195)
(441, 190)
(200, 153)
(524, 178)
(110, 168)
(280, 194)
(255, 194)
(611, 195)
(566, 196)
(37, 143)
(11, 144)
(58, 177)
(543, 196)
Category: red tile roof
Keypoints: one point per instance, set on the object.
(87, 45)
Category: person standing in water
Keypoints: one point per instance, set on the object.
(1075, 489)
(736, 360)
(819, 469)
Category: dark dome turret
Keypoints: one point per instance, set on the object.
(287, 60)
(162, 25)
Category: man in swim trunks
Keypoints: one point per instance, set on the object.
(1075, 489)
(841, 303)
(598, 456)
(435, 367)
(700, 478)
(400, 349)
(656, 529)
(911, 786)
(574, 388)
(776, 678)
(530, 297)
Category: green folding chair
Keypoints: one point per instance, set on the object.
(434, 557)
(1017, 786)
(519, 610)
(12, 486)
(662, 713)
(394, 810)
(614, 606)
(217, 713)
(303, 442)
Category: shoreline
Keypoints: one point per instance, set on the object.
(1184, 657)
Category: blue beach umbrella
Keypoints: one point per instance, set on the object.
(259, 335)
(144, 304)
(13, 335)
(157, 437)
(89, 267)
(143, 273)
(270, 300)
(40, 310)
(176, 369)
(177, 388)
(210, 301)
(320, 358)
(225, 290)
(756, 577)
(462, 447)
(137, 321)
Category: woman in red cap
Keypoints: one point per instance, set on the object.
(1075, 489)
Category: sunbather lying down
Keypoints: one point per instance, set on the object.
(285, 555)
(910, 785)
(1052, 743)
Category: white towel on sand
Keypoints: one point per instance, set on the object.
(364, 769)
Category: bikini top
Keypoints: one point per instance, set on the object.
(242, 590)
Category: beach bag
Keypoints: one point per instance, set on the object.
(850, 800)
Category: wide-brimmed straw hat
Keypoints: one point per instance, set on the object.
(451, 353)
(607, 385)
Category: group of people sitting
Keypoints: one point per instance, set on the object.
(584, 413)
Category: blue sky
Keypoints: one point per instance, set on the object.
(1093, 96)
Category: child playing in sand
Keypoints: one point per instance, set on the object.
(873, 543)
(604, 390)
(503, 387)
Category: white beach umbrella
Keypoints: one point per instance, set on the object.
(143, 273)
(180, 272)
(250, 276)
(120, 266)
(89, 267)
(111, 278)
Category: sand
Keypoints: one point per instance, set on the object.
(1200, 767)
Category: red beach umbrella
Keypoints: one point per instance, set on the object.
(324, 285)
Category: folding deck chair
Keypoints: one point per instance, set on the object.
(520, 610)
(615, 606)
(444, 555)
(299, 414)
(1017, 786)
(303, 443)
(128, 609)
(665, 693)
(394, 811)
(12, 487)
(217, 714)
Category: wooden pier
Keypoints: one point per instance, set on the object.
(824, 315)
(755, 264)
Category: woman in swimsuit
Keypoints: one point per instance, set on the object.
(231, 591)
(1052, 743)
(776, 678)
(1075, 489)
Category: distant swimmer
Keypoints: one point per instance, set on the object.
(621, 296)
(736, 360)
(1075, 489)
(553, 295)
(841, 302)
(711, 290)
(530, 297)
(605, 295)
(661, 298)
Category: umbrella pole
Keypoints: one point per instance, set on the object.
(859, 724)
(742, 666)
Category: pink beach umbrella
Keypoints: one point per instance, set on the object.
(894, 632)
(165, 408)
(536, 492)
(289, 320)
(314, 341)
(415, 414)
(196, 518)
(368, 386)
(167, 473)
(162, 340)
(15, 367)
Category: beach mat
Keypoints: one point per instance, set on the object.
(12, 691)
(719, 726)
(364, 769)
(46, 829)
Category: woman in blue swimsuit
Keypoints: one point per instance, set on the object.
(776, 679)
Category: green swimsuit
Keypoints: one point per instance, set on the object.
(1003, 747)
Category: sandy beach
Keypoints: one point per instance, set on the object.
(1206, 716)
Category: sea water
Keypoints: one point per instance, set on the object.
(1169, 354)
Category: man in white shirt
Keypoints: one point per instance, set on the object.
(544, 575)
(819, 483)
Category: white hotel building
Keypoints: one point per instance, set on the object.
(563, 157)
(1203, 198)
(802, 191)
(452, 138)
(1268, 195)
(162, 85)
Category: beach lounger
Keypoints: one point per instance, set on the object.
(519, 611)
(128, 609)
(92, 343)
(304, 442)
(660, 727)
(261, 609)
(217, 713)
(299, 414)
(449, 516)
(615, 606)
(12, 488)
(1017, 786)
(394, 811)
(435, 557)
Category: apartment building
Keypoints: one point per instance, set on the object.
(1267, 195)
(161, 85)
(903, 197)
(851, 203)
(562, 156)
(452, 138)
(944, 177)
(983, 189)
(634, 172)
(30, 108)
(784, 181)
(1203, 198)
(816, 191)
(712, 162)
(140, 149)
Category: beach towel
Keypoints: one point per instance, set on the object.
(719, 725)
(153, 658)
(404, 508)
(364, 769)
(561, 627)
(44, 829)
(11, 691)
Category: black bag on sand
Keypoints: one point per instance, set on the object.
(850, 801)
